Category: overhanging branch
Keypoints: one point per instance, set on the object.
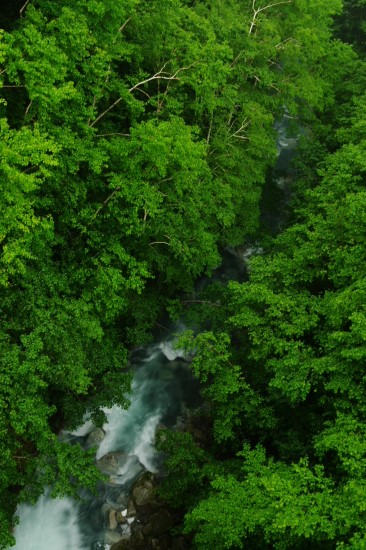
(160, 75)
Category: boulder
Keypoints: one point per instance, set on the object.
(95, 438)
(143, 490)
(136, 542)
(131, 510)
(112, 519)
(159, 523)
(116, 463)
(111, 537)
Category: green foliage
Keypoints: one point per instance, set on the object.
(135, 140)
(300, 321)
(189, 466)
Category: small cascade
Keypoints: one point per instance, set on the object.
(162, 387)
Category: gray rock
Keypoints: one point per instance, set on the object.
(112, 463)
(112, 519)
(111, 537)
(142, 492)
(95, 438)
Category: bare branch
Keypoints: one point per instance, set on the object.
(275, 88)
(23, 8)
(164, 180)
(289, 116)
(281, 44)
(124, 24)
(28, 107)
(160, 75)
(107, 201)
(257, 11)
(239, 133)
(105, 112)
(237, 58)
(143, 92)
(30, 169)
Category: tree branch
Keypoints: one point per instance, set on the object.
(160, 75)
(257, 11)
(23, 8)
(107, 200)
(28, 107)
(124, 24)
(239, 133)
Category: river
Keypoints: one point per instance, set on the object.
(162, 389)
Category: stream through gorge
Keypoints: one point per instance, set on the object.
(163, 389)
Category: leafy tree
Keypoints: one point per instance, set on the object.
(136, 138)
(300, 321)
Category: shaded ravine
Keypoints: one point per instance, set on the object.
(162, 389)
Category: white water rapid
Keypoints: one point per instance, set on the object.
(51, 524)
(162, 385)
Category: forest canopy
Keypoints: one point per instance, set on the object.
(136, 140)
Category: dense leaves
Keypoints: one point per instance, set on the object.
(293, 336)
(136, 137)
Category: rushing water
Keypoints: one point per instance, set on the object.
(52, 523)
(162, 387)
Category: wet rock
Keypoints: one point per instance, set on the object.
(158, 524)
(111, 463)
(120, 518)
(122, 500)
(117, 464)
(131, 510)
(112, 519)
(161, 433)
(95, 438)
(143, 490)
(111, 537)
(138, 541)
